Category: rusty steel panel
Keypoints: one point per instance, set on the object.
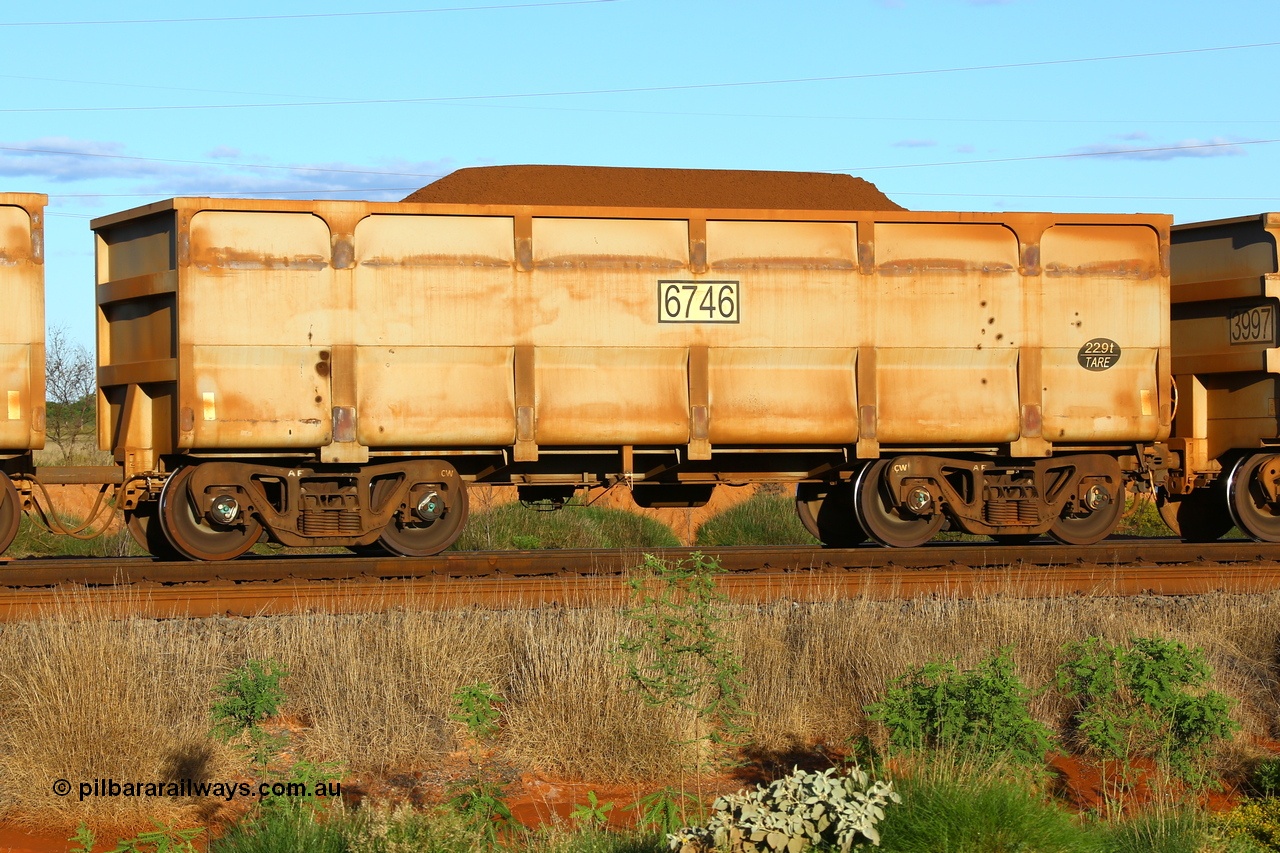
(268, 395)
(783, 396)
(22, 381)
(933, 396)
(610, 244)
(1103, 304)
(948, 321)
(782, 245)
(527, 327)
(417, 396)
(1226, 304)
(626, 395)
(259, 278)
(441, 281)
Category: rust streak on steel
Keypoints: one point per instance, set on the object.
(573, 579)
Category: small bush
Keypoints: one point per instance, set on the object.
(1257, 821)
(249, 694)
(800, 811)
(981, 711)
(762, 519)
(1148, 700)
(1265, 778)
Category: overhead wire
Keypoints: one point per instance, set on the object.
(640, 89)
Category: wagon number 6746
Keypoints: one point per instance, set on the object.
(698, 302)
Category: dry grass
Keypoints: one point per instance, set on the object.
(83, 698)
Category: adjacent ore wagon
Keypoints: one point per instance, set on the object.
(1226, 303)
(336, 373)
(21, 351)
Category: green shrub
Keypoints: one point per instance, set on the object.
(248, 695)
(762, 519)
(1141, 518)
(1147, 700)
(477, 709)
(1265, 778)
(981, 711)
(33, 540)
(513, 526)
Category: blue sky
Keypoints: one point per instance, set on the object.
(985, 105)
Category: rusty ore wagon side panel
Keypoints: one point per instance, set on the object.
(345, 330)
(1226, 303)
(22, 383)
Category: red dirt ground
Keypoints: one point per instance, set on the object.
(535, 799)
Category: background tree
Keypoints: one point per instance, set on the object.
(70, 407)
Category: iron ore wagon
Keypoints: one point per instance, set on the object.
(337, 372)
(22, 381)
(1226, 302)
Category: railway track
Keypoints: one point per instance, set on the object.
(338, 583)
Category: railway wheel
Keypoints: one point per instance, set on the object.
(10, 513)
(880, 515)
(826, 511)
(194, 535)
(1253, 511)
(419, 538)
(143, 524)
(1092, 520)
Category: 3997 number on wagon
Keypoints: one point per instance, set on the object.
(698, 302)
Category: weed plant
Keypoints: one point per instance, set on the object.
(681, 653)
(1146, 699)
(478, 799)
(981, 711)
(248, 694)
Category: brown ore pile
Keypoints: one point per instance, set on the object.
(609, 186)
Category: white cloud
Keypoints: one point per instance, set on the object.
(1139, 146)
(224, 170)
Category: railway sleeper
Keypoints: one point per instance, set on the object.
(210, 510)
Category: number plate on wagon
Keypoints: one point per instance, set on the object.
(1256, 325)
(698, 302)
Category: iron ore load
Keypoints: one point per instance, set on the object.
(22, 382)
(1226, 302)
(337, 372)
